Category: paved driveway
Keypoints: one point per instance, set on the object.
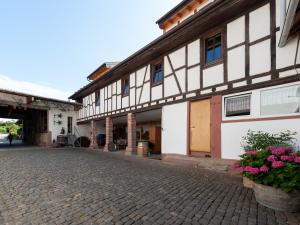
(80, 187)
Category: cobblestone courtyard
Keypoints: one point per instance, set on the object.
(82, 187)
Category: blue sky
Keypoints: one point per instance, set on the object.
(58, 43)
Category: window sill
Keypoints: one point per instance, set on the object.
(256, 119)
(156, 84)
(214, 63)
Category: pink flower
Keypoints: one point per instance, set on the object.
(277, 164)
(280, 151)
(254, 171)
(252, 152)
(271, 148)
(297, 159)
(264, 169)
(236, 165)
(247, 168)
(272, 158)
(242, 170)
(294, 154)
(287, 158)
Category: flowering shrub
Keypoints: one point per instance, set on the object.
(261, 140)
(274, 166)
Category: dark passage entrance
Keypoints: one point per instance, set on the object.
(34, 122)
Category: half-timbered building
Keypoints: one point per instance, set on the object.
(220, 68)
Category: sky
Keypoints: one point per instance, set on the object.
(49, 47)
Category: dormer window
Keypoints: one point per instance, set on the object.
(157, 73)
(213, 49)
(125, 86)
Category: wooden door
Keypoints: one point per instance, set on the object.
(155, 138)
(200, 126)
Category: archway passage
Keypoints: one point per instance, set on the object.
(32, 121)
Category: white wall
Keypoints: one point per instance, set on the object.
(236, 32)
(259, 22)
(260, 57)
(174, 129)
(232, 133)
(236, 70)
(213, 75)
(54, 127)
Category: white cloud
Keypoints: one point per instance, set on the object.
(32, 88)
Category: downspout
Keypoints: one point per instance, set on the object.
(288, 17)
(282, 14)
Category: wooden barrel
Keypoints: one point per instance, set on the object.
(143, 148)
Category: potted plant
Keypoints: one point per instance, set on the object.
(259, 140)
(275, 172)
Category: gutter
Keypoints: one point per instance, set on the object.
(287, 16)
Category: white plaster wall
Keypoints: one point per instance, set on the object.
(177, 58)
(171, 87)
(213, 75)
(125, 102)
(119, 87)
(174, 129)
(232, 133)
(167, 67)
(236, 32)
(100, 127)
(285, 56)
(119, 99)
(132, 80)
(193, 78)
(180, 74)
(140, 74)
(114, 85)
(156, 92)
(102, 100)
(194, 53)
(145, 97)
(109, 105)
(84, 130)
(55, 128)
(138, 94)
(132, 97)
(236, 63)
(259, 22)
(147, 76)
(109, 91)
(260, 57)
(114, 102)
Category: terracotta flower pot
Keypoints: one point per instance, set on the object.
(247, 183)
(277, 199)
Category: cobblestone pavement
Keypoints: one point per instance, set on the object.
(83, 187)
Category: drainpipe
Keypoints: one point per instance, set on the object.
(282, 14)
(288, 20)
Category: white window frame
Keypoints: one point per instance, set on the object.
(273, 88)
(255, 110)
(237, 96)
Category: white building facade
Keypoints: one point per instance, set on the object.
(208, 79)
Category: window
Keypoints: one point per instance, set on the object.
(284, 100)
(125, 86)
(238, 105)
(97, 98)
(70, 124)
(157, 74)
(213, 49)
